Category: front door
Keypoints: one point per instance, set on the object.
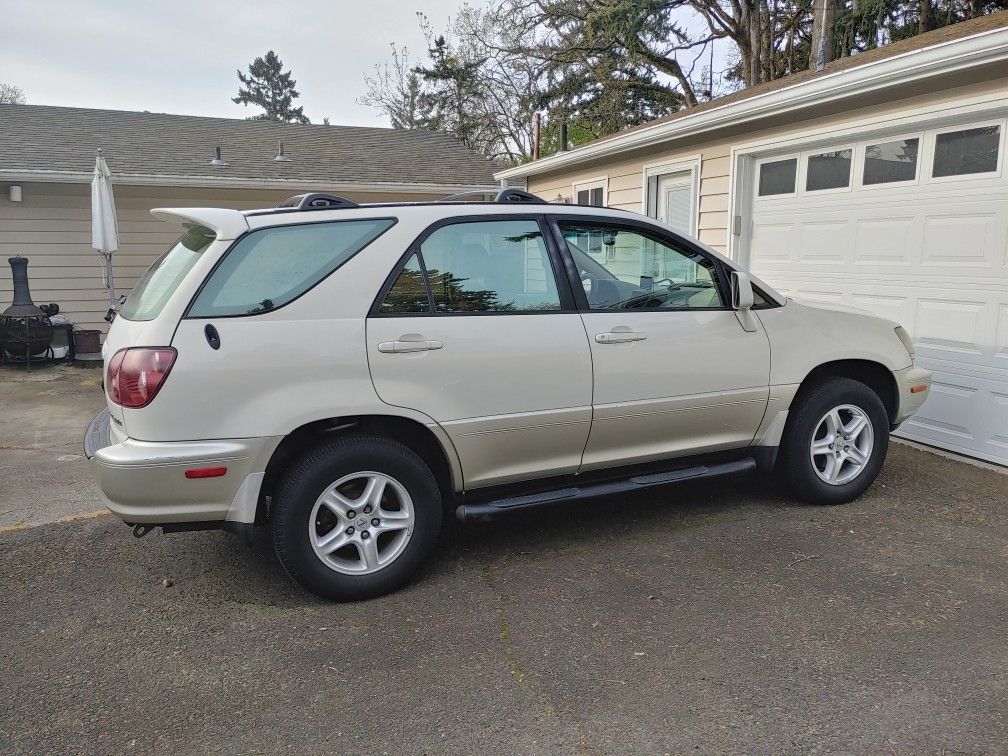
(674, 371)
(474, 331)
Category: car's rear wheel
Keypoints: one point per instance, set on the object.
(835, 442)
(355, 517)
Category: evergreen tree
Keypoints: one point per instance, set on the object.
(272, 89)
(449, 101)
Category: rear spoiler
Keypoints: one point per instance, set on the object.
(226, 223)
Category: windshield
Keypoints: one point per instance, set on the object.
(153, 291)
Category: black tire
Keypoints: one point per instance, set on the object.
(796, 469)
(317, 470)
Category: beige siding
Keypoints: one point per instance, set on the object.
(625, 174)
(52, 228)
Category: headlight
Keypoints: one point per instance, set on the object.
(907, 341)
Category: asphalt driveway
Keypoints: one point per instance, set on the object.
(714, 617)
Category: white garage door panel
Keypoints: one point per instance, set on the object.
(931, 255)
(963, 414)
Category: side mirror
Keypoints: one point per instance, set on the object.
(741, 291)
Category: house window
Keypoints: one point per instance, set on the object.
(967, 151)
(888, 162)
(828, 170)
(777, 177)
(592, 195)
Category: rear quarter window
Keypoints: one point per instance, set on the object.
(268, 268)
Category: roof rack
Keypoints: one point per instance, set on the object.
(518, 195)
(317, 201)
(504, 196)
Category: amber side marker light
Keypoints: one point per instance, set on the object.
(206, 472)
(918, 388)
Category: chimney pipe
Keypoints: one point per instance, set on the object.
(563, 136)
(218, 161)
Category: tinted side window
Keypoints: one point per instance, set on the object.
(490, 266)
(268, 268)
(408, 292)
(632, 270)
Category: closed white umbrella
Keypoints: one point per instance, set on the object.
(104, 227)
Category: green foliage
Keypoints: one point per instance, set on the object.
(449, 100)
(605, 65)
(271, 88)
(603, 61)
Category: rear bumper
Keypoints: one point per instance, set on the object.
(145, 481)
(910, 400)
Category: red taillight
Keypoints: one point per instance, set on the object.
(136, 374)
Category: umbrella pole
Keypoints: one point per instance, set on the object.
(109, 279)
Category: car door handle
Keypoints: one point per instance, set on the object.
(619, 336)
(408, 346)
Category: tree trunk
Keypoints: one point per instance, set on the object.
(755, 43)
(741, 40)
(925, 16)
(768, 25)
(823, 22)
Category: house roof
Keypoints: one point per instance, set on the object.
(60, 143)
(921, 56)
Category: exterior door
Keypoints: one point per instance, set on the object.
(474, 331)
(674, 371)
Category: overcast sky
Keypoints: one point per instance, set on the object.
(181, 56)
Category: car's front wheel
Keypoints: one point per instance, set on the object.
(835, 442)
(355, 517)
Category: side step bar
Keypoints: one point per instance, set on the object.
(607, 488)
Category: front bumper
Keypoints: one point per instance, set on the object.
(145, 481)
(910, 401)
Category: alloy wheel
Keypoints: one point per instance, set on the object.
(842, 444)
(361, 523)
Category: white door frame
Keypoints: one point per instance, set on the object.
(741, 180)
(691, 165)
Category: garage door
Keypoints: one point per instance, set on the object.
(913, 227)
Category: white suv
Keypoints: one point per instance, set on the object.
(345, 374)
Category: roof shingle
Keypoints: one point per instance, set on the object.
(50, 138)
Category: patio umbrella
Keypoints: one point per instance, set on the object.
(104, 227)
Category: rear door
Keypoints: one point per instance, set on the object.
(674, 371)
(475, 329)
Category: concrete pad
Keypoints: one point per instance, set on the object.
(43, 414)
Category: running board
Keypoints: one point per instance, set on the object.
(607, 488)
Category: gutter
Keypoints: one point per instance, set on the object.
(152, 179)
(930, 62)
